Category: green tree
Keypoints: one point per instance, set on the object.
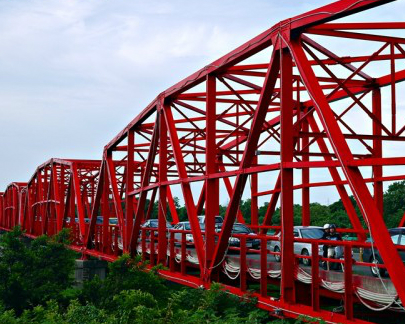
(31, 274)
(245, 207)
(123, 274)
(394, 203)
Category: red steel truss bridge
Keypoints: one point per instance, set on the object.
(310, 105)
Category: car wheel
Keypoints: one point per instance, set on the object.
(277, 256)
(375, 271)
(305, 261)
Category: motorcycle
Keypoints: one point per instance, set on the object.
(334, 252)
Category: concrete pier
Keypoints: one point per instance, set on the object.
(87, 269)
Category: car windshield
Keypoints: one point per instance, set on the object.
(395, 238)
(312, 233)
(394, 233)
(218, 219)
(113, 221)
(153, 223)
(187, 226)
(402, 240)
(241, 229)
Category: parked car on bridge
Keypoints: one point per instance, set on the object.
(372, 255)
(305, 232)
(218, 221)
(86, 220)
(111, 221)
(239, 228)
(154, 223)
(185, 226)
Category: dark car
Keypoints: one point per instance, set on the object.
(154, 223)
(239, 228)
(397, 237)
(111, 221)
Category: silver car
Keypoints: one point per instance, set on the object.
(373, 255)
(305, 232)
(185, 226)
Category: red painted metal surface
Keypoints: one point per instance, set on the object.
(257, 123)
(60, 194)
(11, 204)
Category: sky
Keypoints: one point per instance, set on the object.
(74, 73)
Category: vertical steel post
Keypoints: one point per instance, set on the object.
(162, 201)
(315, 276)
(348, 282)
(287, 201)
(183, 267)
(57, 198)
(152, 247)
(306, 217)
(172, 260)
(1, 210)
(211, 185)
(62, 190)
(254, 207)
(15, 207)
(242, 264)
(79, 201)
(129, 199)
(263, 266)
(377, 149)
(393, 91)
(143, 244)
(105, 210)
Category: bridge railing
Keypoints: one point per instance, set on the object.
(255, 267)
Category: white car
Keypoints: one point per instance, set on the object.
(218, 221)
(301, 248)
(185, 226)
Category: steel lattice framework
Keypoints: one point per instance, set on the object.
(233, 127)
(59, 194)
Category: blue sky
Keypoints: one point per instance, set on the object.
(73, 73)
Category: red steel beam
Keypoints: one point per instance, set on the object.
(369, 210)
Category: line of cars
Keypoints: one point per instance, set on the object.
(99, 221)
(370, 255)
(234, 241)
(301, 248)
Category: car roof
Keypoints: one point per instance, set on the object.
(307, 227)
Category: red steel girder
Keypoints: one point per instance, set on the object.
(283, 117)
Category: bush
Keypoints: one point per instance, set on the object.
(32, 274)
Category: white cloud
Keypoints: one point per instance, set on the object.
(73, 73)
